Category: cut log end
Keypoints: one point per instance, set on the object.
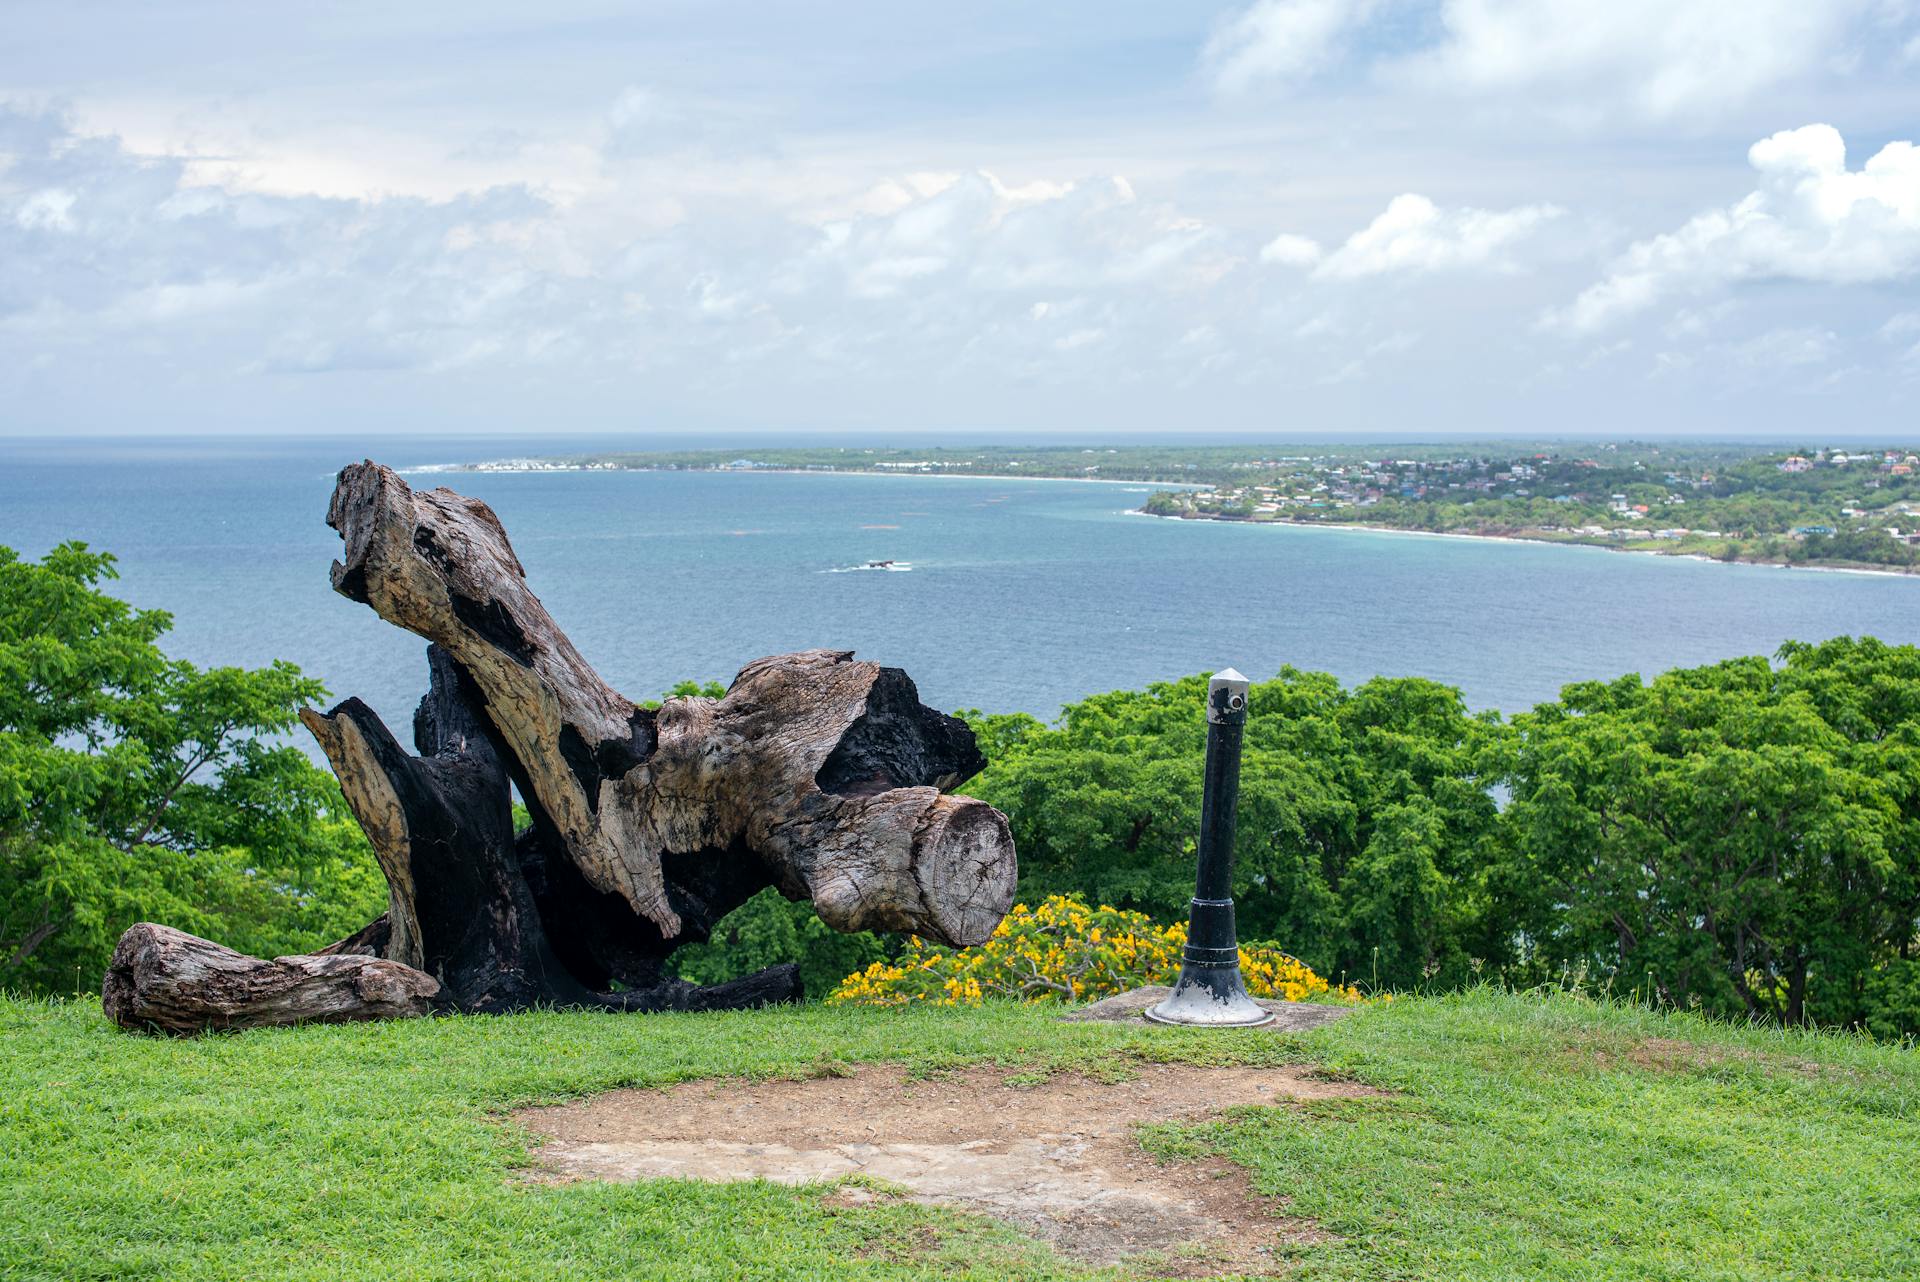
(964, 865)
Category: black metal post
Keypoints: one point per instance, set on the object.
(1210, 990)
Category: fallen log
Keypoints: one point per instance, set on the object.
(817, 774)
(168, 981)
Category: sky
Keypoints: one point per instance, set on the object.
(1643, 217)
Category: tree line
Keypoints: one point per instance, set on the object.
(1741, 838)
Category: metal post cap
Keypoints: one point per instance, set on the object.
(1235, 687)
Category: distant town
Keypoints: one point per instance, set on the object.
(1829, 506)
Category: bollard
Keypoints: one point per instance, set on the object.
(1210, 991)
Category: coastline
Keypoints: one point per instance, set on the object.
(442, 469)
(1149, 486)
(1886, 572)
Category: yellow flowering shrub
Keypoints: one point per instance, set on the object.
(1065, 951)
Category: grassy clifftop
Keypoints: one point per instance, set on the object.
(1522, 1137)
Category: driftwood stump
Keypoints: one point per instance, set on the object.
(817, 774)
(169, 981)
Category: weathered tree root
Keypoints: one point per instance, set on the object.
(817, 774)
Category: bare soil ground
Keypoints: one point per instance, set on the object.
(1058, 1158)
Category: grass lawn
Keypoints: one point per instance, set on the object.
(1527, 1137)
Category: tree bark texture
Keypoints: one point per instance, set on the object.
(818, 774)
(166, 980)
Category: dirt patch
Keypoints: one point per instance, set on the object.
(1670, 1055)
(1649, 1054)
(1665, 1055)
(1058, 1159)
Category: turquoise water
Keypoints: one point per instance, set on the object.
(1023, 595)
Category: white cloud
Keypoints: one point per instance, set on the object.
(102, 251)
(1415, 235)
(982, 236)
(47, 210)
(1650, 59)
(1281, 40)
(1289, 250)
(1812, 219)
(1655, 58)
(834, 283)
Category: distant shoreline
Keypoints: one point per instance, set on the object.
(1885, 572)
(471, 469)
(467, 469)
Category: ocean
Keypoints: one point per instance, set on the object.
(1022, 596)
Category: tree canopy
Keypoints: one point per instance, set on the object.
(137, 786)
(1742, 838)
(1365, 816)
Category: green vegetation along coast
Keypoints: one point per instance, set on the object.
(1820, 507)
(1833, 507)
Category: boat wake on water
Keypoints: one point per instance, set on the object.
(897, 567)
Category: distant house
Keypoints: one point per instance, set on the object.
(1795, 463)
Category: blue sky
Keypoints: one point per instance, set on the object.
(1305, 216)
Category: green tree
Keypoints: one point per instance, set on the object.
(1741, 838)
(1362, 821)
(134, 786)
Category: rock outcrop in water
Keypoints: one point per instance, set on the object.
(817, 774)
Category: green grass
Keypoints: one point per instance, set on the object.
(1527, 1138)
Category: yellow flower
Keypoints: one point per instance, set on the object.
(1062, 948)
